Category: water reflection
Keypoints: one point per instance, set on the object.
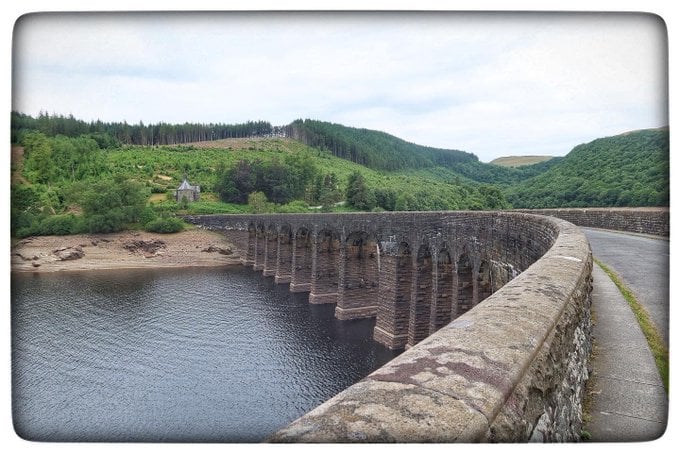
(217, 354)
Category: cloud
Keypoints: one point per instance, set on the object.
(491, 84)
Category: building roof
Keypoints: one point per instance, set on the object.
(186, 186)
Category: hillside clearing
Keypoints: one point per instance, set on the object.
(517, 161)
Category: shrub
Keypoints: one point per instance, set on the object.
(61, 224)
(165, 225)
(296, 206)
(113, 221)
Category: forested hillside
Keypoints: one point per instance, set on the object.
(630, 169)
(380, 151)
(373, 149)
(70, 176)
(110, 135)
(63, 185)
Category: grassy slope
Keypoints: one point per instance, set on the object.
(162, 168)
(517, 161)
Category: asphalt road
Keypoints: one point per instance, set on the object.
(642, 262)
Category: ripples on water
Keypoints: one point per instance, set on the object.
(213, 354)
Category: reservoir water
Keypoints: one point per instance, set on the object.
(209, 354)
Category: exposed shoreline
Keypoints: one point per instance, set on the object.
(122, 250)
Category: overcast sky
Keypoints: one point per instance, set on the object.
(491, 84)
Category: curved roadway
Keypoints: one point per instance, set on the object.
(642, 262)
(628, 400)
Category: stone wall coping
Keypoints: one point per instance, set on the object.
(645, 220)
(649, 209)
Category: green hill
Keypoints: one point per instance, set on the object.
(68, 175)
(383, 152)
(630, 169)
(373, 149)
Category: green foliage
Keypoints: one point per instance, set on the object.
(164, 225)
(59, 159)
(296, 206)
(625, 170)
(373, 149)
(492, 198)
(422, 201)
(113, 221)
(385, 199)
(109, 205)
(325, 191)
(24, 198)
(108, 135)
(281, 180)
(38, 157)
(236, 183)
(71, 166)
(62, 224)
(358, 194)
(258, 203)
(75, 159)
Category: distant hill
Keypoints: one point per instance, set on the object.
(373, 149)
(630, 169)
(518, 161)
(380, 151)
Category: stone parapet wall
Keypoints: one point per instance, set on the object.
(651, 221)
(512, 368)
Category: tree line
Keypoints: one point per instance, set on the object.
(113, 134)
(74, 178)
(373, 149)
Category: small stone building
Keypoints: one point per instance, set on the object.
(187, 192)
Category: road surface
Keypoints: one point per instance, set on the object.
(642, 262)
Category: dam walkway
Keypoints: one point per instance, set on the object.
(628, 401)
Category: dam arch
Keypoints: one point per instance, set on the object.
(421, 296)
(444, 297)
(359, 277)
(284, 255)
(510, 367)
(301, 262)
(325, 271)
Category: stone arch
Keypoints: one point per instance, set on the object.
(249, 259)
(359, 277)
(421, 297)
(270, 250)
(465, 293)
(484, 281)
(260, 239)
(444, 294)
(284, 255)
(301, 261)
(325, 257)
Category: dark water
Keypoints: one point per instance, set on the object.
(218, 354)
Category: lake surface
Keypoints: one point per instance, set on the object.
(209, 354)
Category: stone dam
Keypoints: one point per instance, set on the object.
(493, 309)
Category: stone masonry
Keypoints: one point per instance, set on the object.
(651, 221)
(494, 307)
